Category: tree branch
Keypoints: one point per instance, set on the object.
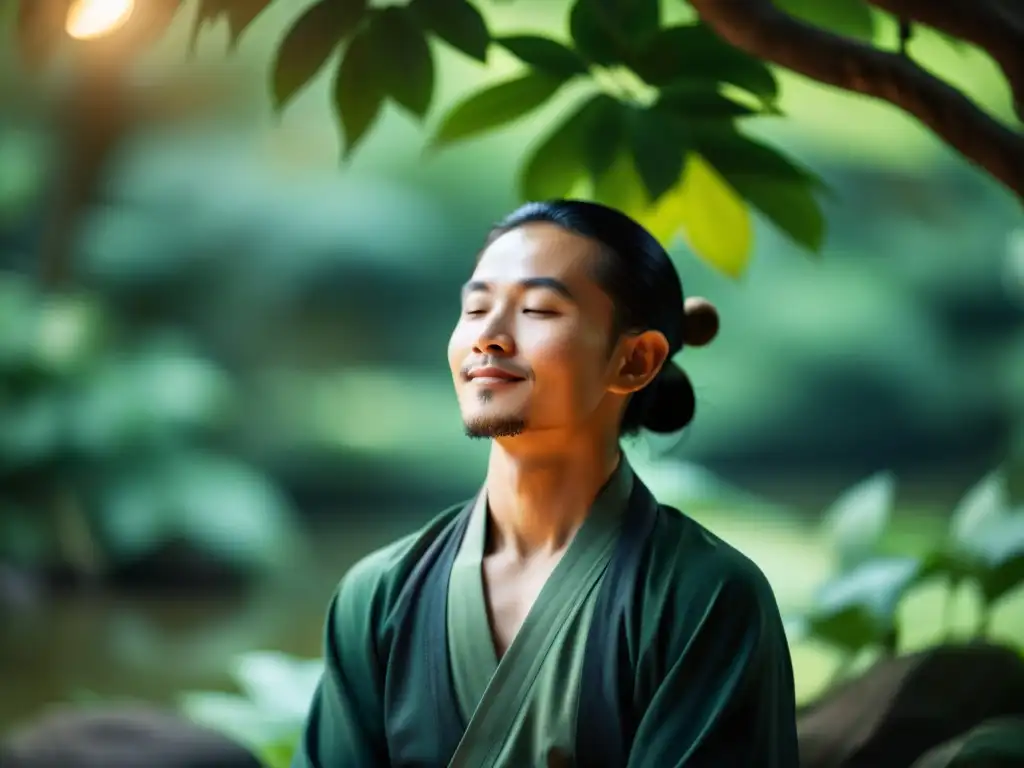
(762, 30)
(984, 23)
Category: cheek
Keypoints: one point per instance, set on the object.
(570, 357)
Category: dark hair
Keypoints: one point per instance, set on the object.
(636, 272)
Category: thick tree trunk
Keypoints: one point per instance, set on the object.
(762, 30)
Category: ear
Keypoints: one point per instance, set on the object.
(639, 359)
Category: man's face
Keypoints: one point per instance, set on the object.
(531, 348)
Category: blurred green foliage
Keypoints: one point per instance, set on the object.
(268, 713)
(857, 609)
(108, 447)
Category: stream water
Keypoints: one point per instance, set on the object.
(81, 646)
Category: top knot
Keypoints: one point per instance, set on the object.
(700, 322)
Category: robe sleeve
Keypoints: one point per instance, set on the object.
(345, 724)
(723, 688)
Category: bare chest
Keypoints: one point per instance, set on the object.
(512, 590)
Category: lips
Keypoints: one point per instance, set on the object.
(491, 374)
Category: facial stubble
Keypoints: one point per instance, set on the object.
(486, 428)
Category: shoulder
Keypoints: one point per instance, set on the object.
(372, 585)
(696, 577)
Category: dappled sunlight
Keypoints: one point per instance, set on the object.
(89, 19)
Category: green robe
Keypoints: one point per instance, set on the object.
(652, 645)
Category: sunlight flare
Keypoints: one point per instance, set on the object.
(89, 19)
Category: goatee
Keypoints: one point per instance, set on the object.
(482, 429)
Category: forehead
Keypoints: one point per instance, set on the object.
(538, 249)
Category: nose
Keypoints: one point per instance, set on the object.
(494, 341)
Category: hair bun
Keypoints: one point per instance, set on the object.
(674, 401)
(700, 322)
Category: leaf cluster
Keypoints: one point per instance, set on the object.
(268, 713)
(858, 609)
(660, 133)
(110, 435)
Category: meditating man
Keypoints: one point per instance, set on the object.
(562, 617)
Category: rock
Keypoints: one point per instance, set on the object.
(903, 707)
(993, 744)
(120, 737)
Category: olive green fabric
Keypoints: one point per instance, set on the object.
(521, 711)
(696, 641)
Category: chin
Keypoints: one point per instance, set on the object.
(484, 426)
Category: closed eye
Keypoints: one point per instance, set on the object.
(540, 312)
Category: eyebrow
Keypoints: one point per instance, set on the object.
(551, 283)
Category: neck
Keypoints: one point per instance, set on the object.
(539, 496)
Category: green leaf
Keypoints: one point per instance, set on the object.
(139, 403)
(207, 11)
(405, 65)
(732, 153)
(658, 152)
(358, 92)
(987, 539)
(693, 54)
(544, 55)
(606, 135)
(942, 562)
(215, 505)
(457, 22)
(309, 43)
(984, 503)
(701, 206)
(621, 187)
(279, 754)
(557, 164)
(714, 219)
(68, 334)
(859, 608)
(996, 743)
(957, 44)
(237, 717)
(226, 508)
(793, 208)
(278, 683)
(999, 553)
(857, 519)
(848, 17)
(134, 519)
(496, 106)
(849, 629)
(700, 103)
(596, 35)
(241, 14)
(34, 430)
(782, 191)
(21, 307)
(638, 20)
(269, 720)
